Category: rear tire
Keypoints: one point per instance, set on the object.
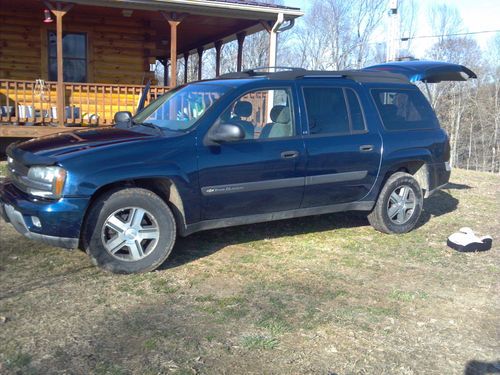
(398, 206)
(129, 231)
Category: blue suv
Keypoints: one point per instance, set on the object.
(243, 148)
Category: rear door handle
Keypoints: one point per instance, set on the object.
(366, 148)
(289, 154)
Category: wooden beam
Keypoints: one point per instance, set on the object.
(186, 62)
(268, 26)
(200, 62)
(59, 11)
(218, 50)
(241, 39)
(174, 19)
(165, 71)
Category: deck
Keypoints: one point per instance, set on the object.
(29, 108)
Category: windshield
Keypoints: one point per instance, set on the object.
(180, 108)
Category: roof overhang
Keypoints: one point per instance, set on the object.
(202, 7)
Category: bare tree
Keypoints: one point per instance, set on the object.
(336, 34)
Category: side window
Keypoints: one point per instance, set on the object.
(357, 120)
(326, 110)
(263, 114)
(404, 109)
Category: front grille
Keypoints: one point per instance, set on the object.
(17, 173)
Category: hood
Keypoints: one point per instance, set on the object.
(427, 71)
(47, 150)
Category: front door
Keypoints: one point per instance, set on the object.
(263, 173)
(343, 152)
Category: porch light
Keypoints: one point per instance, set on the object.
(47, 17)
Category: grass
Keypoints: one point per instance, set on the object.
(256, 342)
(3, 168)
(324, 294)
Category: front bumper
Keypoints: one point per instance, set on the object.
(59, 221)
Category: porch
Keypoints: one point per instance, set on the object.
(30, 107)
(66, 65)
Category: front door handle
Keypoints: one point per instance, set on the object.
(289, 154)
(366, 148)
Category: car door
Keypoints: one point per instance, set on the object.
(265, 171)
(343, 148)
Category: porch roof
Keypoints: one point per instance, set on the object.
(230, 8)
(207, 21)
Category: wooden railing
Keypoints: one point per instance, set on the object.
(30, 103)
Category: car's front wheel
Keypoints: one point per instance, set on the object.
(129, 231)
(398, 206)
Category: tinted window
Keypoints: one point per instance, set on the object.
(326, 110)
(262, 114)
(74, 57)
(358, 123)
(404, 109)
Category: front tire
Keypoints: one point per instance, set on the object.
(398, 206)
(129, 231)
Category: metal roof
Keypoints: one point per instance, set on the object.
(257, 3)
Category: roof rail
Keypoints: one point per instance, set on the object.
(288, 73)
(262, 71)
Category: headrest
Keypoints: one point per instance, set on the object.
(243, 109)
(280, 114)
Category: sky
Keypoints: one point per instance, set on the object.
(477, 15)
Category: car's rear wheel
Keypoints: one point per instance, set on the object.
(129, 231)
(398, 206)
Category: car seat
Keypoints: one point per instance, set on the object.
(243, 109)
(281, 125)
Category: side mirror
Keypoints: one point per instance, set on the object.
(123, 117)
(227, 133)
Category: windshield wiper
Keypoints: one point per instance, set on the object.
(151, 125)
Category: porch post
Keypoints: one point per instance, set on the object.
(200, 62)
(186, 62)
(241, 38)
(218, 50)
(59, 11)
(174, 19)
(165, 71)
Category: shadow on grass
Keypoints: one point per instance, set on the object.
(41, 282)
(453, 186)
(482, 368)
(203, 244)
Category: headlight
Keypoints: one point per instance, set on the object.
(47, 182)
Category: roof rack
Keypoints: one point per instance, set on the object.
(261, 71)
(291, 73)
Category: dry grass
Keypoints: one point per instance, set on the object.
(316, 295)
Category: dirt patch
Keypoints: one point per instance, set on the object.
(324, 294)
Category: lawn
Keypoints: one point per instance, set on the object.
(319, 295)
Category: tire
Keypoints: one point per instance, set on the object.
(130, 230)
(398, 206)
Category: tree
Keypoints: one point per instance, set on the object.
(336, 34)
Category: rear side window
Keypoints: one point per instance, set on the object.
(358, 123)
(333, 110)
(404, 109)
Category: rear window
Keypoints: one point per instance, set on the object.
(404, 109)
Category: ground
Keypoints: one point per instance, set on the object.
(318, 295)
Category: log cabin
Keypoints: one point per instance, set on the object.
(74, 64)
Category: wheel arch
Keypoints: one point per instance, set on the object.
(164, 187)
(412, 161)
